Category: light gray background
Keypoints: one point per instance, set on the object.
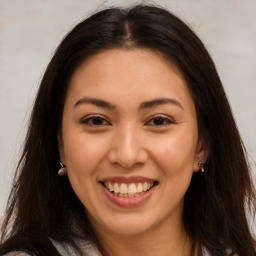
(30, 30)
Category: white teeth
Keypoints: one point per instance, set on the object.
(128, 190)
(116, 188)
(132, 188)
(110, 187)
(145, 186)
(139, 188)
(123, 189)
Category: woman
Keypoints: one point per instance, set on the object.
(151, 159)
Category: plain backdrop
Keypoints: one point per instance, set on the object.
(30, 30)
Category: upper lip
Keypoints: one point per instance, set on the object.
(127, 180)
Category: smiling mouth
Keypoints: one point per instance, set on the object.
(129, 190)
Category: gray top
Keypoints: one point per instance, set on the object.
(88, 247)
(63, 249)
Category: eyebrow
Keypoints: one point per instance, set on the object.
(162, 101)
(143, 105)
(96, 102)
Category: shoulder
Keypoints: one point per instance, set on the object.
(87, 247)
(205, 252)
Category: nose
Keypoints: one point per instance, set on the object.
(127, 148)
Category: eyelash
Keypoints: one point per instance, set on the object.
(89, 121)
(101, 121)
(165, 120)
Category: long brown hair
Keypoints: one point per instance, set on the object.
(42, 205)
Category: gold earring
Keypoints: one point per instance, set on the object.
(62, 170)
(201, 166)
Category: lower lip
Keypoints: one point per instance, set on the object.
(128, 202)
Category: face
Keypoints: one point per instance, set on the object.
(129, 140)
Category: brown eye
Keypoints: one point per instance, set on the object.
(159, 121)
(95, 121)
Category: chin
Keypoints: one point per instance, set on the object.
(128, 225)
(129, 230)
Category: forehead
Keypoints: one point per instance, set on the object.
(116, 74)
(128, 58)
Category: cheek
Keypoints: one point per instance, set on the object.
(83, 156)
(175, 163)
(84, 153)
(175, 155)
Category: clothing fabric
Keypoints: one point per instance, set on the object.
(88, 247)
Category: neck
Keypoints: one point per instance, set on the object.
(163, 240)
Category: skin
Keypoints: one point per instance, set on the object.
(159, 142)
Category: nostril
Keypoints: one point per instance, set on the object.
(127, 158)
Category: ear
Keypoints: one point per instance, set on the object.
(202, 152)
(61, 148)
